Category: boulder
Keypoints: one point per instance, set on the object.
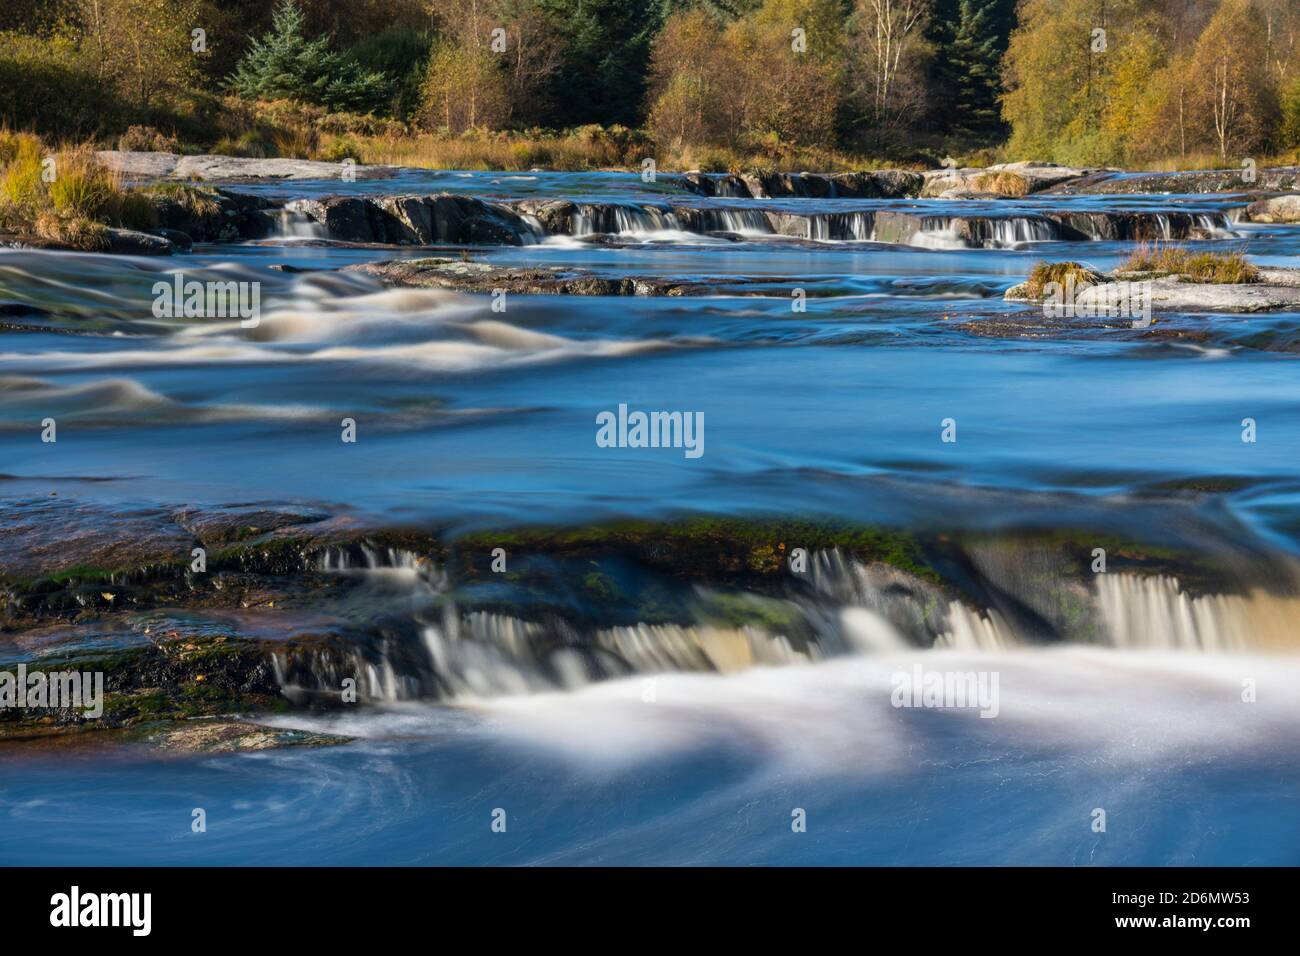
(1278, 209)
(130, 242)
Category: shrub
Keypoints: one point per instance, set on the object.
(198, 201)
(249, 144)
(339, 148)
(1289, 130)
(146, 139)
(46, 85)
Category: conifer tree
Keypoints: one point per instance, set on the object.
(285, 64)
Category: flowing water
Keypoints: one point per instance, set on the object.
(673, 739)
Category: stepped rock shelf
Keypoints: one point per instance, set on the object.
(748, 205)
(292, 600)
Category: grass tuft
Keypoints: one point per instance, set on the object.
(1212, 267)
(1045, 273)
(1005, 183)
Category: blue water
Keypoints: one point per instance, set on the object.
(471, 418)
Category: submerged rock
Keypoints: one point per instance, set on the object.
(224, 736)
(472, 276)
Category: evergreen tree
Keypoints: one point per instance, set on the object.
(607, 56)
(284, 64)
(972, 62)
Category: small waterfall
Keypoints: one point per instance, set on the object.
(842, 226)
(939, 232)
(367, 560)
(1139, 226)
(623, 219)
(942, 232)
(1008, 233)
(427, 648)
(741, 221)
(1155, 613)
(660, 647)
(974, 631)
(1216, 225)
(296, 224)
(730, 187)
(536, 232)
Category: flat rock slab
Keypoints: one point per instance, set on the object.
(55, 536)
(1278, 290)
(1276, 179)
(958, 183)
(1174, 294)
(464, 275)
(228, 736)
(148, 165)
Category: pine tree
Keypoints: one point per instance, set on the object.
(284, 64)
(972, 70)
(606, 59)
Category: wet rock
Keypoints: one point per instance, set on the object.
(218, 528)
(130, 242)
(1140, 226)
(222, 736)
(180, 241)
(64, 539)
(554, 215)
(876, 184)
(895, 227)
(704, 185)
(61, 559)
(1276, 179)
(205, 214)
(425, 220)
(471, 276)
